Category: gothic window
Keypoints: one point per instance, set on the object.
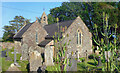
(79, 37)
(36, 37)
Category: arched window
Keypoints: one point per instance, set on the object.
(36, 37)
(79, 37)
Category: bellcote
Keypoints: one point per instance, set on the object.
(44, 19)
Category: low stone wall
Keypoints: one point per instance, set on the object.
(8, 45)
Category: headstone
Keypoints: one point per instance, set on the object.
(35, 60)
(3, 53)
(49, 56)
(99, 62)
(118, 59)
(109, 54)
(21, 58)
(78, 56)
(25, 51)
(42, 69)
(73, 66)
(8, 58)
(68, 55)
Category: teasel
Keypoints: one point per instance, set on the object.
(61, 58)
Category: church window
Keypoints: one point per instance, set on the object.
(79, 37)
(36, 37)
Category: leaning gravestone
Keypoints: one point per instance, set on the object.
(49, 56)
(25, 50)
(35, 60)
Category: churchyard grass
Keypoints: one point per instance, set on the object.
(81, 66)
(52, 68)
(6, 64)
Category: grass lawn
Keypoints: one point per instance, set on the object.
(52, 68)
(6, 64)
(88, 65)
(81, 66)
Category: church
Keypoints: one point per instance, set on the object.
(39, 34)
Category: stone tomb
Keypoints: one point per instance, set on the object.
(49, 56)
(35, 60)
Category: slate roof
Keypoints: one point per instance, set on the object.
(50, 28)
(22, 30)
(44, 43)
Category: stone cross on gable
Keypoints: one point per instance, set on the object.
(43, 9)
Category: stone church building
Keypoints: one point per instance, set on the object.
(36, 37)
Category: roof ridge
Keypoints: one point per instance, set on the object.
(60, 22)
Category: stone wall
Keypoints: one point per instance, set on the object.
(29, 37)
(72, 37)
(35, 58)
(18, 46)
(8, 45)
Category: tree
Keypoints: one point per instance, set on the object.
(90, 12)
(18, 22)
(14, 26)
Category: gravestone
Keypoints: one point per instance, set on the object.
(3, 53)
(118, 58)
(68, 55)
(8, 58)
(73, 66)
(49, 56)
(78, 56)
(25, 51)
(99, 62)
(35, 60)
(109, 54)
